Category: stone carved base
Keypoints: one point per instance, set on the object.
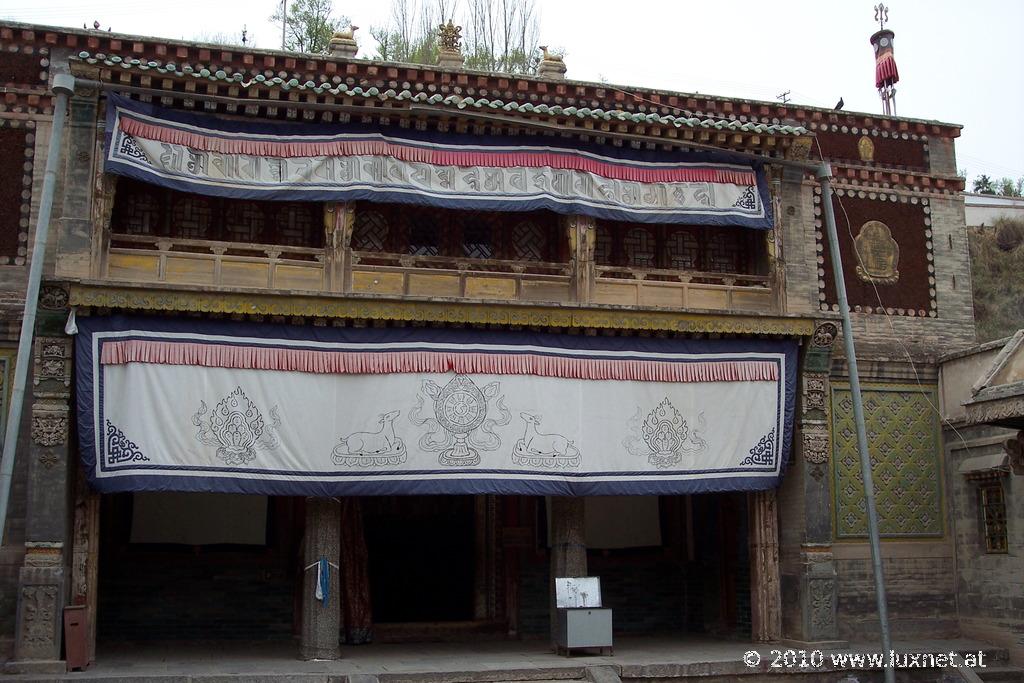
(40, 614)
(818, 595)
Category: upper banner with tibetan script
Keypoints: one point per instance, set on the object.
(321, 411)
(321, 162)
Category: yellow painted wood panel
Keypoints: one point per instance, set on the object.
(669, 296)
(491, 288)
(545, 291)
(623, 293)
(243, 274)
(133, 267)
(752, 300)
(378, 283)
(190, 270)
(299, 277)
(714, 299)
(434, 285)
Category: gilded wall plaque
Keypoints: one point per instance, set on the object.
(866, 149)
(878, 255)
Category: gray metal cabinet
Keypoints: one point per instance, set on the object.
(584, 627)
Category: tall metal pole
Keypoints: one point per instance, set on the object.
(63, 87)
(824, 174)
(284, 21)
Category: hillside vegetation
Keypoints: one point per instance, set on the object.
(997, 271)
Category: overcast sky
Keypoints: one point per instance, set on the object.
(960, 62)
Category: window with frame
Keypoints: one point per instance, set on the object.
(993, 517)
(680, 247)
(147, 210)
(400, 229)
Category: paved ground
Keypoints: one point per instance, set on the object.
(504, 660)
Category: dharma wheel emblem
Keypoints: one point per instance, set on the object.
(460, 408)
(878, 255)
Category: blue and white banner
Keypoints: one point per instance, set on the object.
(167, 404)
(342, 162)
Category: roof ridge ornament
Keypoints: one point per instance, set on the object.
(449, 36)
(552, 64)
(881, 15)
(343, 42)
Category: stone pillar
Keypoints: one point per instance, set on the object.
(81, 176)
(41, 582)
(765, 594)
(810, 574)
(568, 545)
(321, 623)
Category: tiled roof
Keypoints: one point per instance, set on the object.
(333, 86)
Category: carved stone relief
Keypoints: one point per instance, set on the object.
(53, 297)
(815, 392)
(39, 612)
(50, 424)
(822, 604)
(878, 255)
(825, 334)
(815, 443)
(52, 360)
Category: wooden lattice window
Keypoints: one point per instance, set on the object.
(674, 247)
(724, 253)
(993, 516)
(604, 246)
(192, 216)
(370, 232)
(138, 210)
(296, 224)
(478, 234)
(639, 247)
(529, 242)
(244, 222)
(425, 237)
(683, 250)
(484, 235)
(144, 209)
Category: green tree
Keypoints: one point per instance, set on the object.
(308, 24)
(1008, 187)
(498, 35)
(411, 34)
(983, 184)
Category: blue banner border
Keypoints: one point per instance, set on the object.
(625, 154)
(652, 484)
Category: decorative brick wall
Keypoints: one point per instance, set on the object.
(911, 291)
(904, 444)
(15, 190)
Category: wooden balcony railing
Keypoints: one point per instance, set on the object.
(204, 262)
(461, 277)
(229, 264)
(681, 289)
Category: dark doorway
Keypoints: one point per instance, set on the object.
(421, 557)
(177, 566)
